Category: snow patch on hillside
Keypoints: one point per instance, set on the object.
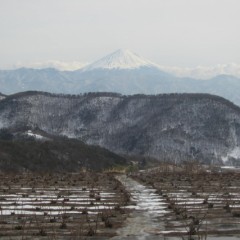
(37, 136)
(234, 153)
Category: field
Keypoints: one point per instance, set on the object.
(61, 206)
(165, 202)
(200, 202)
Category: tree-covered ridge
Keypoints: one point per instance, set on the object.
(172, 127)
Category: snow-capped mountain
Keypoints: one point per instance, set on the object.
(121, 59)
(123, 72)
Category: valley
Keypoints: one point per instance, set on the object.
(119, 120)
(109, 166)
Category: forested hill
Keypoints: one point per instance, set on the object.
(168, 127)
(54, 155)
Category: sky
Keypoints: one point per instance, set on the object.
(182, 33)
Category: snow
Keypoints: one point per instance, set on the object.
(27, 212)
(31, 134)
(144, 198)
(121, 59)
(234, 153)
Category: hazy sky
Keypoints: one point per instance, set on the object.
(169, 32)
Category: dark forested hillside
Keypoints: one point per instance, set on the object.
(56, 155)
(168, 127)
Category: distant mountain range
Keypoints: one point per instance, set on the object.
(123, 72)
(169, 127)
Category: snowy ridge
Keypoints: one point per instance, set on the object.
(121, 59)
(30, 133)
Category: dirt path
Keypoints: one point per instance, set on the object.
(146, 221)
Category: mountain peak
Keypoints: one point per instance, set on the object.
(121, 59)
